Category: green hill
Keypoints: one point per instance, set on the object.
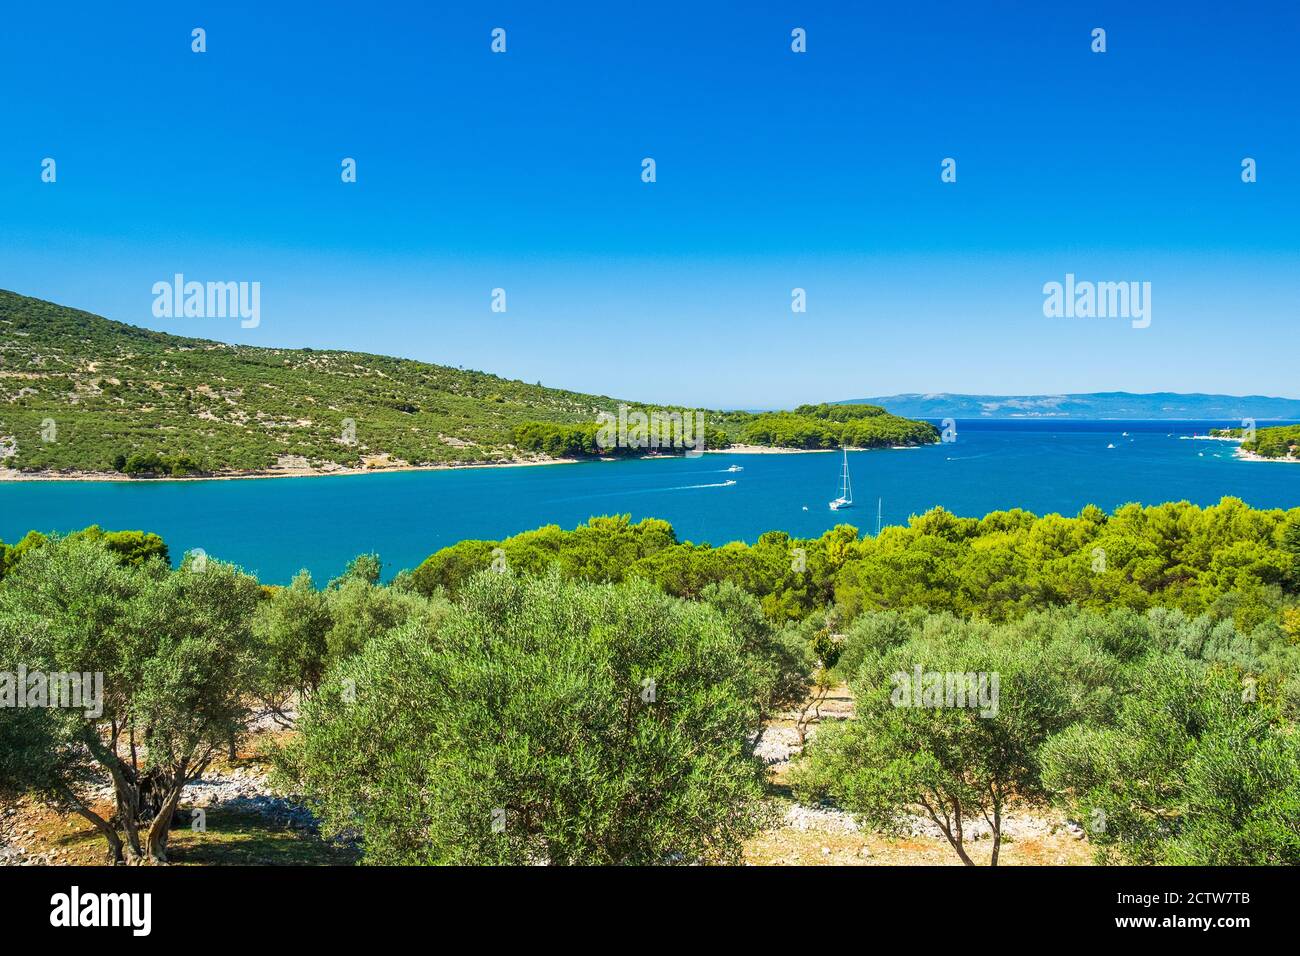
(79, 392)
(1278, 442)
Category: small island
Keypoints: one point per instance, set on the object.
(1276, 443)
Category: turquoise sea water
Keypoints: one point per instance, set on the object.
(274, 527)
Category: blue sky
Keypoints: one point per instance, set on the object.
(775, 170)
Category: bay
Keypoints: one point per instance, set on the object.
(276, 526)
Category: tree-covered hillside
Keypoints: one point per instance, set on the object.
(833, 426)
(1279, 442)
(79, 392)
(111, 390)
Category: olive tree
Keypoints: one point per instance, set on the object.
(292, 627)
(948, 723)
(176, 655)
(358, 608)
(1199, 768)
(540, 720)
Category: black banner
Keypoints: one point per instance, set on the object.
(182, 904)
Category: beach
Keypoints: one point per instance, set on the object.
(309, 471)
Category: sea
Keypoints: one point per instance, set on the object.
(274, 527)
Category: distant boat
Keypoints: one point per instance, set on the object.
(729, 481)
(845, 500)
(1110, 446)
(735, 468)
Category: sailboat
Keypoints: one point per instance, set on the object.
(845, 500)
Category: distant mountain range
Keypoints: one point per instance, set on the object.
(1153, 405)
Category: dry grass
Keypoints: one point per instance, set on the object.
(232, 838)
(787, 846)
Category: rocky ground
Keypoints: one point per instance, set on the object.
(826, 835)
(242, 819)
(249, 822)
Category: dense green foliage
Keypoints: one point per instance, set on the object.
(1278, 442)
(80, 392)
(564, 441)
(133, 547)
(583, 441)
(1228, 560)
(1198, 768)
(833, 426)
(542, 721)
(487, 707)
(659, 772)
(955, 758)
(176, 655)
(1171, 739)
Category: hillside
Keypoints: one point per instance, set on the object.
(1170, 406)
(1281, 442)
(113, 389)
(81, 393)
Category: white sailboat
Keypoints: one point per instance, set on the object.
(845, 500)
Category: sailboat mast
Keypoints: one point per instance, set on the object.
(845, 500)
(880, 504)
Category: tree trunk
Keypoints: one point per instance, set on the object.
(945, 826)
(960, 844)
(155, 845)
(128, 812)
(126, 795)
(115, 855)
(997, 831)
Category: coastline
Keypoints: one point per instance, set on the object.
(760, 450)
(14, 475)
(1241, 452)
(1252, 456)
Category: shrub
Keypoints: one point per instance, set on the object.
(1199, 769)
(541, 721)
(901, 755)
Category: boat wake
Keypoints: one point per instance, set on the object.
(627, 492)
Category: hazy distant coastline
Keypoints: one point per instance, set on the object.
(1096, 406)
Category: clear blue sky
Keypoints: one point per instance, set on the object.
(775, 170)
